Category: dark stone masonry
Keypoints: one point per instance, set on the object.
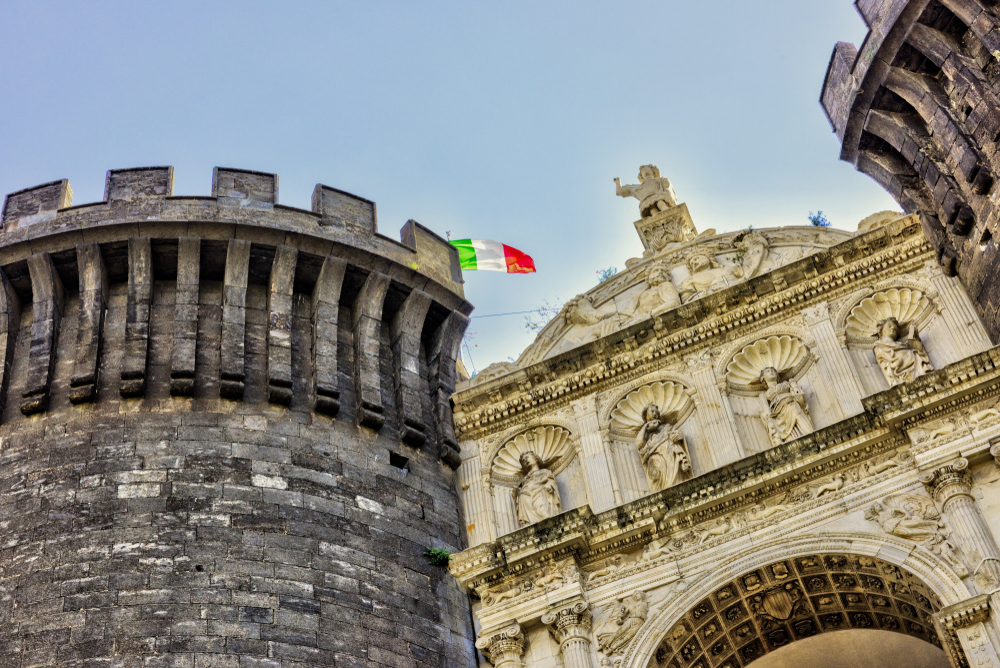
(917, 108)
(226, 434)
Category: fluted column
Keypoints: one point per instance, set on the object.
(839, 370)
(951, 487)
(958, 312)
(616, 482)
(594, 456)
(714, 413)
(571, 627)
(504, 646)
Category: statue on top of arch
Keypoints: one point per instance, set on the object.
(653, 191)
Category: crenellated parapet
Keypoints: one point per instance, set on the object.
(266, 302)
(917, 108)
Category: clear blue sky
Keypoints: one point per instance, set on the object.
(503, 121)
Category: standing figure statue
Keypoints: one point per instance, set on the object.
(537, 495)
(785, 411)
(663, 450)
(902, 358)
(654, 192)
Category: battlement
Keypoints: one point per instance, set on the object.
(257, 302)
(146, 195)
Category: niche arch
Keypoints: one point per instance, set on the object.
(938, 584)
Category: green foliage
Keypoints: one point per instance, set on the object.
(741, 253)
(438, 556)
(819, 220)
(605, 274)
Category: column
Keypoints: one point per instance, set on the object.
(594, 457)
(714, 413)
(839, 370)
(475, 499)
(504, 647)
(571, 627)
(956, 309)
(951, 487)
(967, 620)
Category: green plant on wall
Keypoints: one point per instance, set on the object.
(438, 556)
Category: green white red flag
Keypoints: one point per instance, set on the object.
(483, 255)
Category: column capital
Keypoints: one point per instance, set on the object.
(817, 314)
(569, 622)
(946, 482)
(995, 450)
(503, 646)
(584, 405)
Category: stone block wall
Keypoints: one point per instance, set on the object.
(187, 477)
(917, 108)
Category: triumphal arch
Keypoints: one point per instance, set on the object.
(770, 447)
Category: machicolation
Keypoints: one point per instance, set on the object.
(204, 404)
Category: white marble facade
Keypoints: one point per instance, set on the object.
(800, 448)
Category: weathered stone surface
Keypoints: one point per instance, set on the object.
(177, 527)
(918, 110)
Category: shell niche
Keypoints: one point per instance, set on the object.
(551, 444)
(672, 399)
(904, 305)
(784, 353)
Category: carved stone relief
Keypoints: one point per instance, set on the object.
(619, 621)
(915, 518)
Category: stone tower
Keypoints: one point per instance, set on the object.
(226, 436)
(917, 108)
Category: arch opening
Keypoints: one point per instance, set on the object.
(771, 607)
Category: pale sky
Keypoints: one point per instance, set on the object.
(503, 121)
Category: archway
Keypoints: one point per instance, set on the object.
(856, 648)
(772, 606)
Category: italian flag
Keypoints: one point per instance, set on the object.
(485, 255)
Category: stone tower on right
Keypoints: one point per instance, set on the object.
(917, 108)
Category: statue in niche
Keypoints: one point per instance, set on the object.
(707, 276)
(663, 450)
(902, 357)
(537, 495)
(619, 622)
(785, 410)
(915, 518)
(660, 294)
(654, 192)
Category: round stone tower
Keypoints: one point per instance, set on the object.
(226, 435)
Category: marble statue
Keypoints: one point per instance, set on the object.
(785, 410)
(537, 495)
(660, 294)
(654, 192)
(620, 621)
(707, 276)
(901, 357)
(663, 451)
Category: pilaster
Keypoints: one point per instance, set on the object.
(966, 621)
(957, 310)
(841, 373)
(715, 414)
(596, 467)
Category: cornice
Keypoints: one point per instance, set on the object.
(852, 446)
(765, 300)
